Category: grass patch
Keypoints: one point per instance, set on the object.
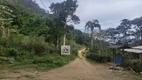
(45, 62)
(133, 75)
(128, 74)
(91, 61)
(136, 77)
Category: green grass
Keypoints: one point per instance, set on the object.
(91, 61)
(133, 75)
(136, 77)
(128, 74)
(45, 62)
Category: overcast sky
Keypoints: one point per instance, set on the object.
(108, 12)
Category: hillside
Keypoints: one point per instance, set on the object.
(30, 36)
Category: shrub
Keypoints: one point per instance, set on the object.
(74, 47)
(37, 44)
(3, 43)
(3, 51)
(135, 64)
(98, 57)
(23, 54)
(42, 62)
(126, 63)
(15, 40)
(11, 52)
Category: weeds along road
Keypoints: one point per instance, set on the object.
(79, 69)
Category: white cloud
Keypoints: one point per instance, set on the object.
(108, 12)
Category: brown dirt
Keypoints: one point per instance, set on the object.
(79, 69)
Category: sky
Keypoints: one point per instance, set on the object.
(108, 12)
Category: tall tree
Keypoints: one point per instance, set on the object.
(124, 30)
(90, 25)
(100, 35)
(65, 12)
(110, 35)
(138, 27)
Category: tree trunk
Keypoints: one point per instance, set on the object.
(64, 39)
(64, 42)
(57, 45)
(92, 44)
(92, 39)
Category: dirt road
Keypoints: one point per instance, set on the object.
(79, 69)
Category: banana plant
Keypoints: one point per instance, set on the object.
(6, 18)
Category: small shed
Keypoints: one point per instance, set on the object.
(117, 57)
(136, 52)
(119, 46)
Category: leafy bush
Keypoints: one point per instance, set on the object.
(98, 57)
(126, 63)
(74, 47)
(135, 64)
(37, 44)
(23, 54)
(3, 51)
(52, 60)
(15, 40)
(43, 62)
(3, 43)
(11, 52)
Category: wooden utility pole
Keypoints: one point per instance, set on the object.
(64, 41)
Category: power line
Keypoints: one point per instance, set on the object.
(44, 5)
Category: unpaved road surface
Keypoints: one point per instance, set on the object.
(79, 69)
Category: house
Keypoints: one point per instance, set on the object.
(117, 51)
(134, 52)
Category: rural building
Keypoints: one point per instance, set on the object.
(117, 52)
(134, 52)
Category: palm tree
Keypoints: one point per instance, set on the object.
(90, 25)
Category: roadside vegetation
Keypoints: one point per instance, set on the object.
(101, 53)
(127, 33)
(32, 37)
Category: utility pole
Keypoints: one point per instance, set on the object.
(64, 42)
(64, 39)
(65, 49)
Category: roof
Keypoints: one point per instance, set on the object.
(119, 46)
(137, 47)
(133, 50)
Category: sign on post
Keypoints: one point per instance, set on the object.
(65, 50)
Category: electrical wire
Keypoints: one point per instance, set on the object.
(43, 5)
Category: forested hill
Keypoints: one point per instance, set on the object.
(30, 19)
(26, 4)
(31, 36)
(25, 26)
(28, 15)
